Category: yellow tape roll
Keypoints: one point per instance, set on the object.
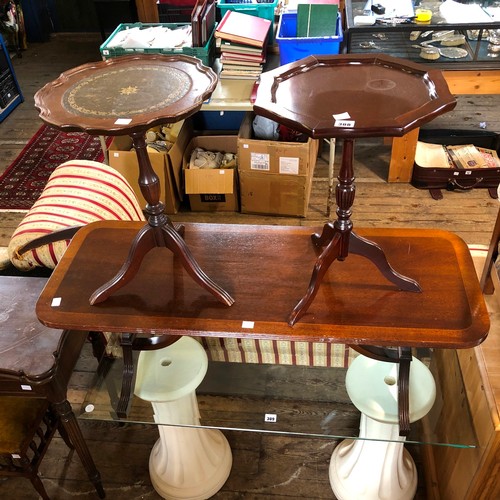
(423, 15)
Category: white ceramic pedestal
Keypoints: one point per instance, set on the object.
(377, 466)
(186, 462)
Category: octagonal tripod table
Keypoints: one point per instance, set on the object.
(128, 95)
(348, 97)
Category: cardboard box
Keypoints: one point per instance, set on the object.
(275, 177)
(176, 154)
(167, 166)
(211, 190)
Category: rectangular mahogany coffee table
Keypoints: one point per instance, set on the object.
(267, 269)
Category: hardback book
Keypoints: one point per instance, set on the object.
(316, 20)
(196, 16)
(234, 75)
(239, 67)
(243, 29)
(228, 59)
(236, 47)
(256, 59)
(208, 21)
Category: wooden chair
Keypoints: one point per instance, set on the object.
(27, 426)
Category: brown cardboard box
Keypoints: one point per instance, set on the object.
(176, 153)
(166, 166)
(211, 190)
(275, 177)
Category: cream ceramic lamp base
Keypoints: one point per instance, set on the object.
(376, 466)
(186, 462)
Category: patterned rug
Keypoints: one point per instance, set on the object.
(25, 178)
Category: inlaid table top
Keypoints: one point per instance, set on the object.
(266, 269)
(127, 93)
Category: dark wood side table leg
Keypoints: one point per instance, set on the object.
(70, 424)
(328, 255)
(338, 237)
(126, 341)
(159, 232)
(335, 237)
(404, 390)
(370, 250)
(403, 356)
(130, 342)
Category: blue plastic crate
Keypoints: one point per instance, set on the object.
(260, 9)
(292, 48)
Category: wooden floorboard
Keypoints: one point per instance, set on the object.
(264, 466)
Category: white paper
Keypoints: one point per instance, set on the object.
(431, 155)
(454, 12)
(260, 161)
(341, 116)
(393, 8)
(289, 165)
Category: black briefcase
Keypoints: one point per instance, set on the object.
(436, 179)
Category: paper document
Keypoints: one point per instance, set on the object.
(393, 8)
(455, 12)
(431, 155)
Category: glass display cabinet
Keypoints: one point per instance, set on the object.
(458, 35)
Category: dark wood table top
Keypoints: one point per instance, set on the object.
(267, 269)
(353, 95)
(34, 359)
(26, 346)
(126, 94)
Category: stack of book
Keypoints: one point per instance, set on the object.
(243, 44)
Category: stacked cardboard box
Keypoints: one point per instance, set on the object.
(275, 177)
(272, 177)
(211, 190)
(167, 166)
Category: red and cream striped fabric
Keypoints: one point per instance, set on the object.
(281, 352)
(77, 192)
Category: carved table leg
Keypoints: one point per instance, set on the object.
(159, 232)
(402, 356)
(338, 238)
(328, 255)
(371, 251)
(70, 424)
(126, 341)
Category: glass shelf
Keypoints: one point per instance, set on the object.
(394, 39)
(291, 400)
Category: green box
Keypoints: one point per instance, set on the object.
(206, 54)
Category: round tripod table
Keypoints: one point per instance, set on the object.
(351, 96)
(126, 96)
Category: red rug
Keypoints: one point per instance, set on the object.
(25, 178)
